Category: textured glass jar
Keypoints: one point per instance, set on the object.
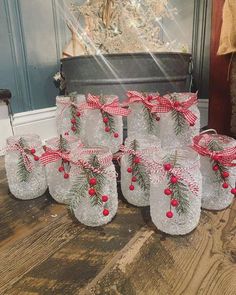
(94, 192)
(175, 131)
(99, 132)
(25, 184)
(59, 173)
(214, 195)
(135, 176)
(142, 119)
(175, 194)
(69, 119)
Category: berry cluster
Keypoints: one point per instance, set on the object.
(33, 151)
(73, 121)
(107, 122)
(93, 192)
(136, 161)
(65, 168)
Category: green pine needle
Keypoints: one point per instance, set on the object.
(149, 118)
(73, 111)
(22, 172)
(180, 122)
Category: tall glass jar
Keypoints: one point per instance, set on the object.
(135, 177)
(217, 154)
(94, 191)
(26, 176)
(175, 194)
(176, 130)
(140, 117)
(60, 169)
(103, 124)
(69, 117)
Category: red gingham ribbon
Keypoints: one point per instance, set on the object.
(135, 96)
(225, 157)
(67, 104)
(112, 108)
(25, 155)
(166, 104)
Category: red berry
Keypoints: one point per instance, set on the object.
(169, 214)
(107, 129)
(134, 179)
(136, 160)
(174, 203)
(92, 181)
(167, 166)
(32, 151)
(131, 187)
(66, 133)
(92, 192)
(215, 167)
(129, 170)
(105, 212)
(73, 120)
(233, 191)
(78, 114)
(167, 191)
(73, 128)
(66, 175)
(149, 98)
(104, 198)
(61, 169)
(192, 124)
(215, 158)
(116, 135)
(225, 185)
(173, 179)
(176, 104)
(105, 120)
(158, 118)
(225, 174)
(36, 158)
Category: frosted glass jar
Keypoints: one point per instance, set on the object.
(175, 130)
(69, 118)
(175, 194)
(103, 129)
(23, 182)
(140, 117)
(217, 191)
(94, 192)
(59, 173)
(135, 176)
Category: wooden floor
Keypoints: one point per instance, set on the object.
(43, 250)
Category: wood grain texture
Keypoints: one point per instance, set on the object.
(53, 253)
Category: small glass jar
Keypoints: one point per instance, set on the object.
(135, 176)
(103, 129)
(94, 198)
(69, 118)
(59, 173)
(26, 176)
(176, 131)
(175, 194)
(218, 187)
(141, 118)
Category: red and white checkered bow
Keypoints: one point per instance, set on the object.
(135, 96)
(25, 154)
(112, 108)
(166, 104)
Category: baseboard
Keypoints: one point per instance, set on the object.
(43, 122)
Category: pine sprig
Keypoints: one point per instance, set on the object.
(73, 113)
(180, 122)
(22, 172)
(62, 144)
(149, 118)
(111, 122)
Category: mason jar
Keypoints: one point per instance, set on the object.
(94, 198)
(69, 117)
(140, 117)
(60, 170)
(175, 194)
(135, 176)
(102, 128)
(175, 130)
(218, 188)
(25, 174)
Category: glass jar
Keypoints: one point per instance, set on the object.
(175, 194)
(94, 190)
(60, 170)
(135, 176)
(102, 128)
(218, 188)
(26, 176)
(140, 117)
(69, 117)
(176, 131)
